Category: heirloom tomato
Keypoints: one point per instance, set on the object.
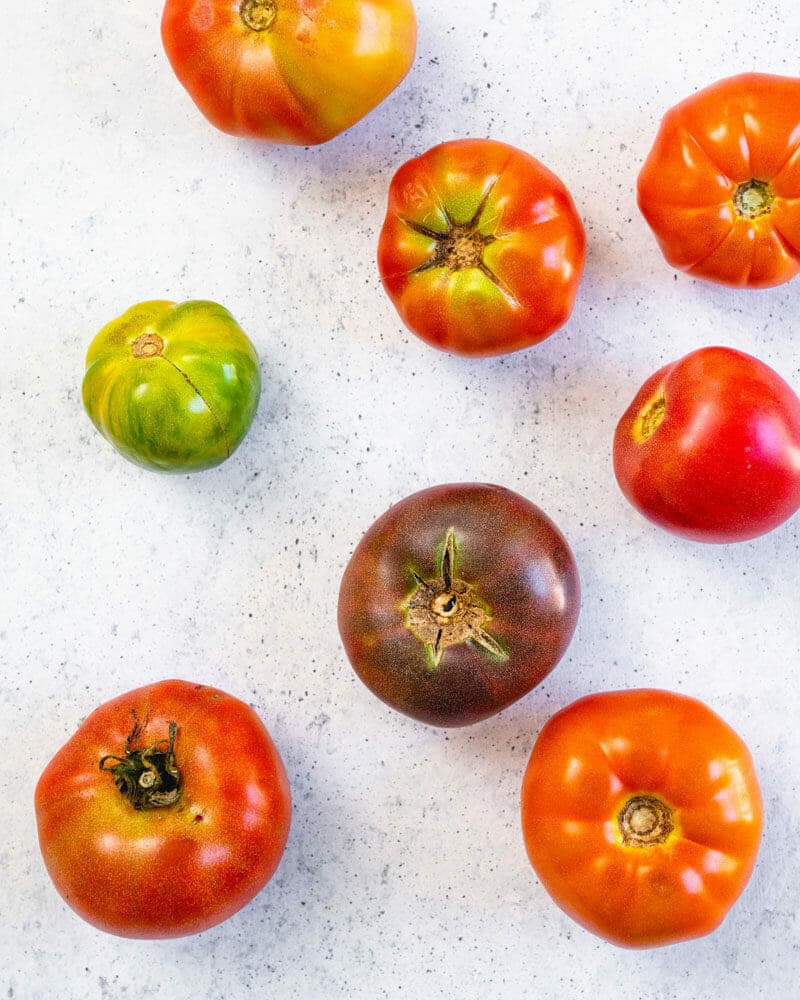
(458, 601)
(165, 813)
(173, 387)
(641, 814)
(710, 447)
(289, 71)
(482, 249)
(721, 186)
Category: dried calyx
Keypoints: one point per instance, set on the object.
(148, 778)
(446, 611)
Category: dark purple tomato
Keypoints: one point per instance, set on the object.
(458, 601)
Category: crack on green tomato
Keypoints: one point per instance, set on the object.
(214, 415)
(446, 611)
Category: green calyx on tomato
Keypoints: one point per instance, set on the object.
(446, 611)
(258, 15)
(173, 387)
(148, 778)
(461, 245)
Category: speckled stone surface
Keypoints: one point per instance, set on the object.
(405, 873)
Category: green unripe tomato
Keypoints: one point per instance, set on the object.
(173, 387)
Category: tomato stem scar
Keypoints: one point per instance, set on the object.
(649, 418)
(148, 778)
(258, 15)
(753, 198)
(645, 821)
(149, 345)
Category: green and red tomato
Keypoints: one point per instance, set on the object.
(173, 387)
(482, 249)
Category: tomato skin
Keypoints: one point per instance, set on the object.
(723, 465)
(523, 572)
(316, 68)
(739, 130)
(174, 388)
(515, 279)
(172, 871)
(599, 753)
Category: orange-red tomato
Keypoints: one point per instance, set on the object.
(165, 813)
(641, 814)
(289, 71)
(721, 186)
(482, 249)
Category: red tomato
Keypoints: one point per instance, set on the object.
(165, 813)
(710, 447)
(641, 814)
(721, 186)
(482, 249)
(458, 601)
(290, 71)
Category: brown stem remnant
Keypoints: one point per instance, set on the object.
(645, 821)
(446, 611)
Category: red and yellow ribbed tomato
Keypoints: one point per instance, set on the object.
(641, 814)
(482, 249)
(721, 186)
(165, 813)
(289, 71)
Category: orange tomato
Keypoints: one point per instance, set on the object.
(721, 186)
(641, 814)
(165, 813)
(289, 71)
(482, 249)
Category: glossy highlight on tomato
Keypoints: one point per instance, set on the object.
(173, 387)
(710, 447)
(457, 602)
(482, 248)
(642, 816)
(165, 813)
(721, 186)
(289, 71)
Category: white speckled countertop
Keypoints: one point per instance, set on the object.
(405, 873)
